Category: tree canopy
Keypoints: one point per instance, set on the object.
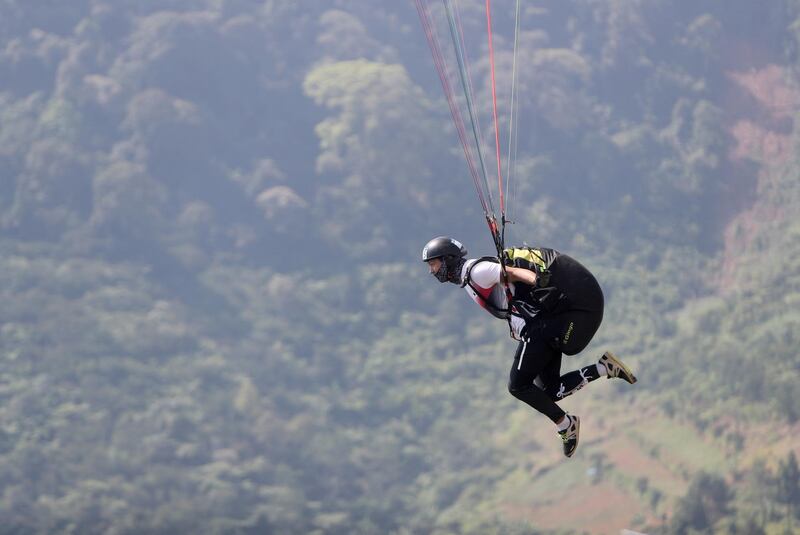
(215, 318)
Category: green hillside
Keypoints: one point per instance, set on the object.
(215, 319)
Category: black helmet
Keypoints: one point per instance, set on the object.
(452, 253)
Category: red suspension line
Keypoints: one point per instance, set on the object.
(441, 69)
(494, 109)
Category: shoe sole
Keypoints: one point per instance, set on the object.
(614, 360)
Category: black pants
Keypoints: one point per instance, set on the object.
(539, 356)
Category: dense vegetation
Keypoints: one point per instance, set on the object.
(215, 319)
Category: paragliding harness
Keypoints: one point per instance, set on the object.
(527, 301)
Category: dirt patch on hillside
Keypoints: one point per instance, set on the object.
(627, 457)
(600, 508)
(761, 130)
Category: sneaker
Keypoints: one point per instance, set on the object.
(570, 435)
(616, 368)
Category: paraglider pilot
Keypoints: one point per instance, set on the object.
(553, 306)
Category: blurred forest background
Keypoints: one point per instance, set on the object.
(214, 317)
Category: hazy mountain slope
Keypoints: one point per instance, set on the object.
(215, 318)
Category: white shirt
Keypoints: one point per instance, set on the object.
(486, 278)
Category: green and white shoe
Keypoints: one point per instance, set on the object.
(616, 368)
(570, 435)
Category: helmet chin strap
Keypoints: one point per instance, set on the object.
(441, 273)
(454, 272)
(450, 273)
